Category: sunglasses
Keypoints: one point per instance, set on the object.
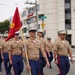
(63, 34)
(49, 39)
(32, 31)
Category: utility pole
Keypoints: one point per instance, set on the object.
(36, 13)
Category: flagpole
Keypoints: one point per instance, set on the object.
(15, 26)
(24, 49)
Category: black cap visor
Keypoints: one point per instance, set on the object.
(32, 31)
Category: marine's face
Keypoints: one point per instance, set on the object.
(40, 34)
(16, 36)
(49, 40)
(32, 33)
(62, 36)
(5, 38)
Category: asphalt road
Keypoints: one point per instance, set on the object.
(47, 71)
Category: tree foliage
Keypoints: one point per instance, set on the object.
(4, 26)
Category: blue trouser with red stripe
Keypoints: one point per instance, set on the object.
(0, 62)
(7, 64)
(51, 57)
(36, 67)
(64, 65)
(43, 62)
(17, 64)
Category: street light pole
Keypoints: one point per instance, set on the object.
(36, 13)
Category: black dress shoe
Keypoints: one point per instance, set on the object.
(0, 70)
(10, 74)
(50, 67)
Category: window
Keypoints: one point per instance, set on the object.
(67, 26)
(67, 5)
(28, 21)
(38, 8)
(68, 21)
(67, 11)
(31, 20)
(31, 10)
(67, 1)
(23, 14)
(67, 14)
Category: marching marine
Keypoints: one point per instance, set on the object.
(33, 47)
(15, 54)
(5, 56)
(50, 48)
(1, 53)
(61, 51)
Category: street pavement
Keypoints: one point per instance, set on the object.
(47, 71)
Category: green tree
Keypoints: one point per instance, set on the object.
(4, 26)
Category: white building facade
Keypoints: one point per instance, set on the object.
(60, 16)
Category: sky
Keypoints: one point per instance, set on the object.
(7, 7)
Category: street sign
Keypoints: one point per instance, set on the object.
(43, 17)
(43, 24)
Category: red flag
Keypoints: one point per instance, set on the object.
(15, 25)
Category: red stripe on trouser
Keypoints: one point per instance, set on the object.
(59, 65)
(39, 73)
